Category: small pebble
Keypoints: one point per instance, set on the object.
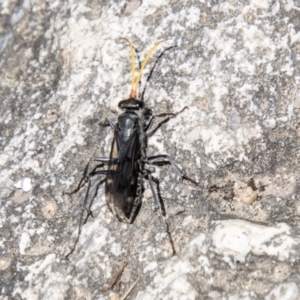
(245, 195)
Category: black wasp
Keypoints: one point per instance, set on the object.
(128, 163)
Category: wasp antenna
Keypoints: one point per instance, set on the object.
(132, 52)
(136, 83)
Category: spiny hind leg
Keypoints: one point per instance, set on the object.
(163, 159)
(158, 202)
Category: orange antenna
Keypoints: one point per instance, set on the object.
(132, 52)
(135, 80)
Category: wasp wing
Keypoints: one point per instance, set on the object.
(122, 178)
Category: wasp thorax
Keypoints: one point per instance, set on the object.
(127, 122)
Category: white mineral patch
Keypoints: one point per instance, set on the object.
(237, 238)
(24, 184)
(16, 16)
(54, 287)
(18, 185)
(31, 164)
(270, 123)
(285, 291)
(172, 282)
(244, 295)
(157, 3)
(150, 267)
(24, 242)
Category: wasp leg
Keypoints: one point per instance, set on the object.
(83, 207)
(86, 178)
(86, 173)
(170, 116)
(159, 202)
(162, 159)
(93, 173)
(147, 171)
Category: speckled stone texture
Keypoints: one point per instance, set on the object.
(236, 65)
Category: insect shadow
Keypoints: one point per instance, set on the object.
(128, 163)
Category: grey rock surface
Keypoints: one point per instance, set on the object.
(236, 65)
